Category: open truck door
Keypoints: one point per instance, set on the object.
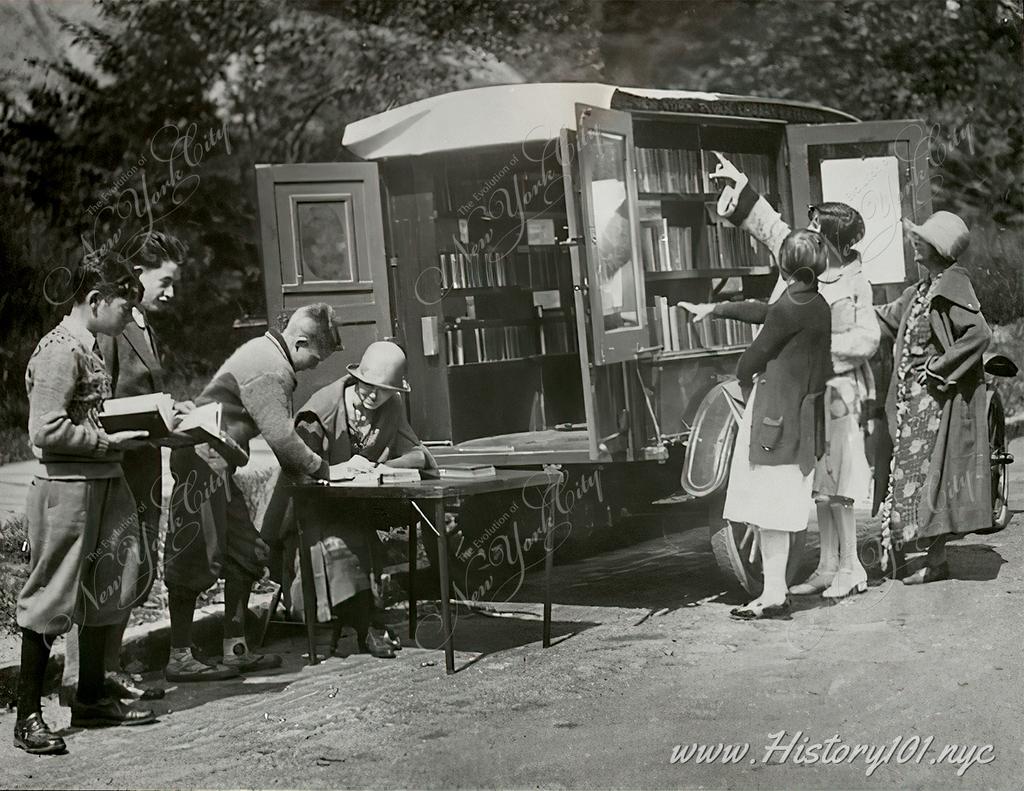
(323, 241)
(880, 168)
(608, 276)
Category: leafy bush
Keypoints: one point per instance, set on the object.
(13, 569)
(14, 445)
(995, 260)
(1009, 341)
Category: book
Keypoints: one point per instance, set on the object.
(468, 471)
(203, 426)
(377, 476)
(153, 412)
(398, 475)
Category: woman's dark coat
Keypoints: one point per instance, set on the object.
(956, 497)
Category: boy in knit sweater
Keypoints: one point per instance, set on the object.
(82, 526)
(211, 532)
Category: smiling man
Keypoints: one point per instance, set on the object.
(133, 361)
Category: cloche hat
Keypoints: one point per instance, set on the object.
(382, 365)
(944, 231)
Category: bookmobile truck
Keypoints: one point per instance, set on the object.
(527, 244)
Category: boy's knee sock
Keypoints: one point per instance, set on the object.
(92, 645)
(182, 606)
(35, 653)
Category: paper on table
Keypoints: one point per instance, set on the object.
(871, 185)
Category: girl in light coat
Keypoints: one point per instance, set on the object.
(842, 475)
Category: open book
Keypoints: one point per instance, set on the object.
(203, 425)
(153, 412)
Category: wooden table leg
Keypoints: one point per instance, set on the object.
(308, 588)
(412, 579)
(442, 562)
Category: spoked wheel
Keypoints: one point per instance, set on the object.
(738, 555)
(1000, 459)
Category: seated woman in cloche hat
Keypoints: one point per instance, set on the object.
(359, 422)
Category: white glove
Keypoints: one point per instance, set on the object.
(731, 191)
(700, 311)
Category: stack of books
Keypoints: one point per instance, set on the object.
(739, 249)
(532, 267)
(479, 270)
(467, 471)
(543, 262)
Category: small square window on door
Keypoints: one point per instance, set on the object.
(324, 238)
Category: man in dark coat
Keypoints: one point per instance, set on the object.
(133, 361)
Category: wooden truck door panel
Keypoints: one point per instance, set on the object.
(614, 271)
(322, 240)
(878, 167)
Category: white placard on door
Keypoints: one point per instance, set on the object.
(871, 185)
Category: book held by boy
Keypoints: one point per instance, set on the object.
(153, 412)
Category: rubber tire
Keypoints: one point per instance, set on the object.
(734, 566)
(1001, 513)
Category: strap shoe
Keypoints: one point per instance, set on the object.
(34, 736)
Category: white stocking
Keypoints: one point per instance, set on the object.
(774, 557)
(846, 522)
(828, 560)
(852, 576)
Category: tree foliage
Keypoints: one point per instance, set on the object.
(956, 65)
(184, 99)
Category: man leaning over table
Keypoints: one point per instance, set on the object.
(211, 534)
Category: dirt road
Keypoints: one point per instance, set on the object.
(648, 659)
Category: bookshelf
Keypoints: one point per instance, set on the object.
(494, 289)
(689, 252)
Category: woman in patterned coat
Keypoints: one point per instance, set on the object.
(938, 482)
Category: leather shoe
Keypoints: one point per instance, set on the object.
(376, 644)
(120, 685)
(816, 583)
(252, 663)
(394, 639)
(928, 574)
(106, 712)
(761, 612)
(34, 736)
